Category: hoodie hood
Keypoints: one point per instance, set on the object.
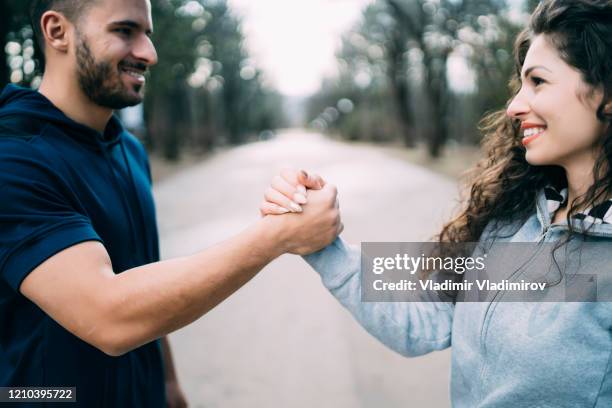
(17, 101)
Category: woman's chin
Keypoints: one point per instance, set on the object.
(536, 159)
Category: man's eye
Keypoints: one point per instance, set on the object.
(124, 31)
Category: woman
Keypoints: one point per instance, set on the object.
(546, 177)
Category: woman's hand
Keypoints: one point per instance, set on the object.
(288, 192)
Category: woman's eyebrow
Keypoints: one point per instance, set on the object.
(528, 70)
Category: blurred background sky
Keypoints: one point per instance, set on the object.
(294, 41)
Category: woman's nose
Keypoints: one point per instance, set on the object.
(518, 106)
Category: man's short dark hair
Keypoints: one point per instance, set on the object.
(72, 9)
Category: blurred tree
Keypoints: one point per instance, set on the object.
(410, 43)
(386, 46)
(5, 28)
(434, 27)
(494, 65)
(376, 90)
(532, 4)
(165, 113)
(205, 90)
(16, 37)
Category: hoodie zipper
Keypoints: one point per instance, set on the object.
(541, 239)
(546, 227)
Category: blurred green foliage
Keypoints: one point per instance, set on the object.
(420, 71)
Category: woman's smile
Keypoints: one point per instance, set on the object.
(531, 132)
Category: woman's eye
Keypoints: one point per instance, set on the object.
(537, 80)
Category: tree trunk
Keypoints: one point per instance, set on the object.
(439, 102)
(400, 90)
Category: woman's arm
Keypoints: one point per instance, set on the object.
(410, 328)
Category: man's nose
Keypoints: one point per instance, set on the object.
(144, 50)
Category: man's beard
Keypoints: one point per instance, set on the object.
(101, 81)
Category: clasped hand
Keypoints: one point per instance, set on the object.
(306, 207)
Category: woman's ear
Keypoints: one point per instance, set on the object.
(54, 27)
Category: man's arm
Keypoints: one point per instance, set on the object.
(119, 312)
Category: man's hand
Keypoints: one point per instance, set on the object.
(317, 223)
(288, 192)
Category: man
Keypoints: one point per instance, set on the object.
(83, 296)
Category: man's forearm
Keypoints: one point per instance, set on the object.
(152, 300)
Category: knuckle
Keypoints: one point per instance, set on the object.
(276, 180)
(269, 193)
(289, 175)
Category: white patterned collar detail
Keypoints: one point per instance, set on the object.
(600, 214)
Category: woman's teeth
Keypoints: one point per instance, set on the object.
(533, 131)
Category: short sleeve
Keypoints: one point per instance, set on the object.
(39, 214)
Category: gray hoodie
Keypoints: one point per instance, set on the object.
(504, 354)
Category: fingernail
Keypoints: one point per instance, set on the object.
(299, 198)
(301, 189)
(295, 207)
(282, 210)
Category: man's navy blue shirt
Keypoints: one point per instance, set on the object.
(62, 183)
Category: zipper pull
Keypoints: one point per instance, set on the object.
(542, 236)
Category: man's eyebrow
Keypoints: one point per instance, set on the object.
(132, 24)
(528, 70)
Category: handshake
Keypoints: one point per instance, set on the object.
(303, 210)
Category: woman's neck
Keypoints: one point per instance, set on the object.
(579, 179)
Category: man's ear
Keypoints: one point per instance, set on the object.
(54, 27)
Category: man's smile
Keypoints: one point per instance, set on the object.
(134, 71)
